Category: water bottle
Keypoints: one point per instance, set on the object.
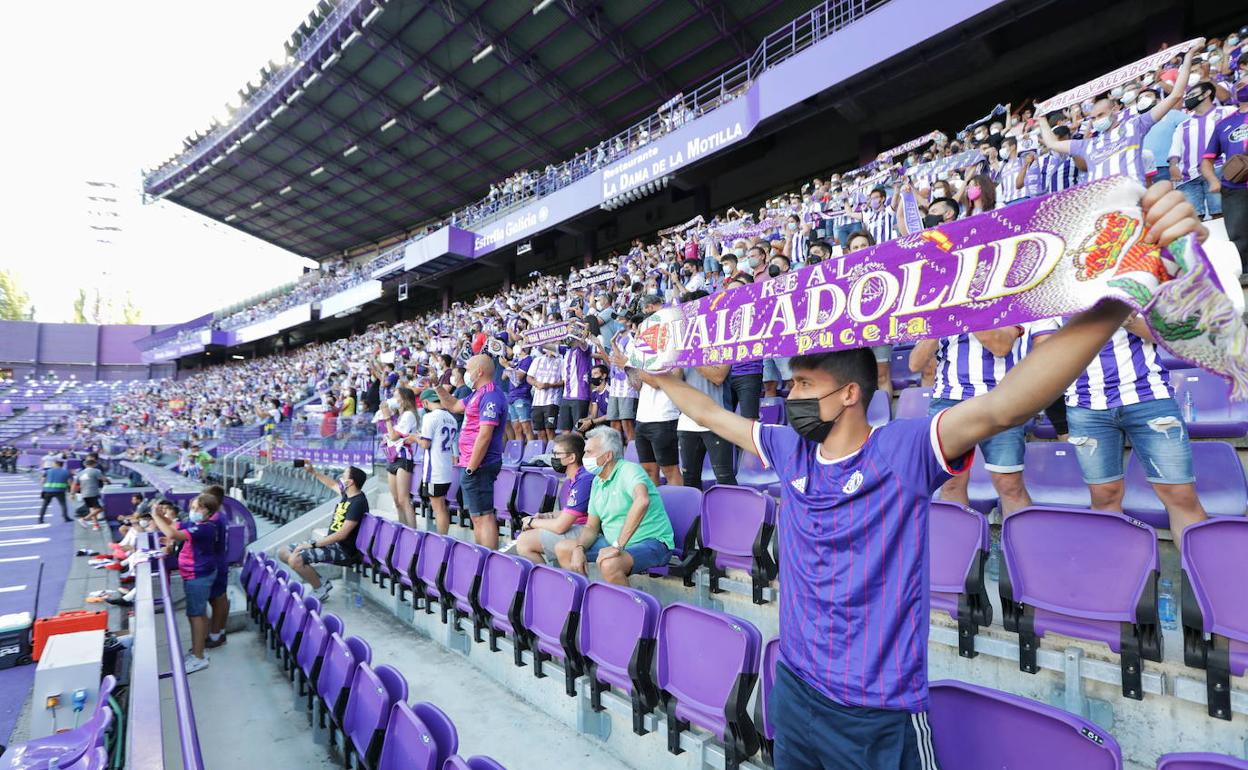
(1189, 408)
(994, 559)
(357, 598)
(1167, 610)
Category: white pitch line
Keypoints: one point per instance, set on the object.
(22, 516)
(24, 527)
(24, 541)
(9, 559)
(11, 589)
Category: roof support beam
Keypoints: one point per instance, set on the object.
(726, 22)
(590, 18)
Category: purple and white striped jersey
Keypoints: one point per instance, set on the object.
(1191, 137)
(1008, 190)
(1033, 180)
(853, 550)
(1125, 372)
(965, 368)
(576, 365)
(1120, 150)
(881, 223)
(617, 386)
(1060, 172)
(545, 369)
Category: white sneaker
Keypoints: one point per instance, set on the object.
(194, 664)
(322, 593)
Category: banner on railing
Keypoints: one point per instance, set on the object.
(361, 458)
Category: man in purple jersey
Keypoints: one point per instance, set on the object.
(1118, 146)
(1230, 138)
(574, 406)
(851, 684)
(480, 445)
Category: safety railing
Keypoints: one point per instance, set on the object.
(145, 741)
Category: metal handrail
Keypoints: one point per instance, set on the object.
(145, 749)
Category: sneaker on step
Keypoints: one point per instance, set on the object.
(194, 664)
(212, 643)
(322, 593)
(95, 527)
(84, 523)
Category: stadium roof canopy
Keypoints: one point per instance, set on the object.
(388, 115)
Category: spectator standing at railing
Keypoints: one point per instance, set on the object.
(218, 595)
(544, 375)
(480, 445)
(438, 431)
(403, 436)
(197, 564)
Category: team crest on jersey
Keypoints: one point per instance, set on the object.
(855, 481)
(490, 411)
(799, 484)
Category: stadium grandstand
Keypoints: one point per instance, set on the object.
(746, 384)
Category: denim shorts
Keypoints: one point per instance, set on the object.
(777, 370)
(221, 582)
(478, 489)
(197, 591)
(647, 554)
(520, 410)
(621, 408)
(1004, 452)
(1158, 438)
(883, 353)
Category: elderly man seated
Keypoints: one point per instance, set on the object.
(628, 531)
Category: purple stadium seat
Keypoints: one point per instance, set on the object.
(440, 726)
(463, 583)
(279, 598)
(552, 611)
(618, 635)
(74, 748)
(364, 542)
(532, 449)
(879, 411)
(737, 523)
(1051, 473)
(535, 492)
(1200, 761)
(311, 653)
(369, 703)
(505, 499)
(1220, 485)
(1042, 428)
(435, 550)
(383, 543)
(630, 452)
(1213, 413)
(291, 633)
(771, 411)
(1215, 611)
(766, 681)
(453, 501)
(342, 657)
(959, 550)
(899, 370)
(409, 744)
(1086, 574)
(684, 509)
(706, 666)
(751, 473)
(977, 727)
(403, 559)
(912, 402)
(502, 599)
(513, 452)
(264, 589)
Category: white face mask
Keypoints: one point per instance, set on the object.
(468, 379)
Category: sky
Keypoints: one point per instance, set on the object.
(99, 91)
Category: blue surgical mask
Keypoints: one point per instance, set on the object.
(342, 486)
(591, 464)
(468, 379)
(1101, 125)
(196, 517)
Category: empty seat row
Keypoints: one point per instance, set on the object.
(363, 707)
(1093, 575)
(282, 493)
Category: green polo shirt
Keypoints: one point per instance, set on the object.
(612, 496)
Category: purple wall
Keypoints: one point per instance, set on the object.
(86, 351)
(117, 343)
(19, 341)
(68, 343)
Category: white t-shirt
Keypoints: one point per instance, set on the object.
(406, 426)
(653, 405)
(440, 428)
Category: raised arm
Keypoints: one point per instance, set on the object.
(702, 410)
(1045, 373)
(921, 354)
(1175, 96)
(1049, 138)
(448, 400)
(328, 481)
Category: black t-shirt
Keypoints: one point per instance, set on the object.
(349, 509)
(372, 396)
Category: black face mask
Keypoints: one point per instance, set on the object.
(773, 270)
(595, 381)
(1193, 101)
(803, 416)
(557, 465)
(932, 220)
